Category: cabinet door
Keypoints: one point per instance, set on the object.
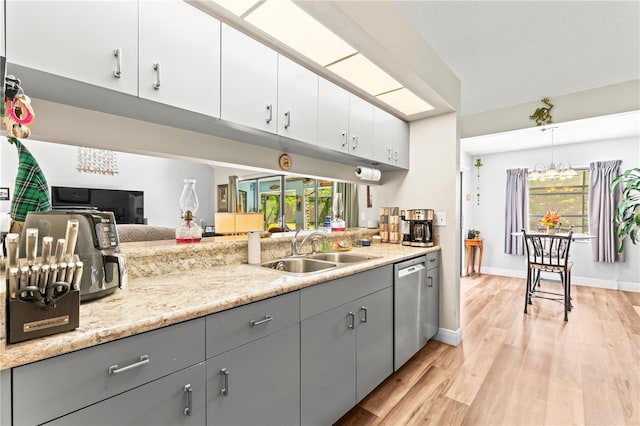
(180, 63)
(328, 365)
(161, 402)
(2, 29)
(5, 397)
(390, 139)
(375, 340)
(249, 81)
(433, 303)
(333, 116)
(297, 101)
(360, 127)
(258, 383)
(77, 40)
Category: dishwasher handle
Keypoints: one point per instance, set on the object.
(411, 270)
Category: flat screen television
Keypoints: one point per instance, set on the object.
(127, 206)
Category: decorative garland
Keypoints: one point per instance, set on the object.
(478, 165)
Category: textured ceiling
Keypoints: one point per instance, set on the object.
(512, 52)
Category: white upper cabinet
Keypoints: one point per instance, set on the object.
(95, 42)
(179, 56)
(360, 127)
(2, 29)
(249, 81)
(297, 101)
(333, 116)
(390, 139)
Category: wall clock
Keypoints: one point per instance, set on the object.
(285, 162)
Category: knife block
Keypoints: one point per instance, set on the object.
(27, 321)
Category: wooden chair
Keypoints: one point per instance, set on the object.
(548, 253)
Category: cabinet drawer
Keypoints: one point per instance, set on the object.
(433, 260)
(161, 402)
(230, 329)
(53, 387)
(320, 298)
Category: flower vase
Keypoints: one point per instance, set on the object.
(551, 230)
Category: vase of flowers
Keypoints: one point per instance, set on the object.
(551, 220)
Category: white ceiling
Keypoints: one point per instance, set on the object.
(512, 52)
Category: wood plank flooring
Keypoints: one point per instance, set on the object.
(520, 369)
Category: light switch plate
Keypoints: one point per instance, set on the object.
(440, 219)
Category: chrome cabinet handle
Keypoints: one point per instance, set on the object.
(225, 390)
(287, 116)
(118, 71)
(352, 320)
(144, 359)
(365, 311)
(389, 153)
(355, 142)
(270, 111)
(430, 284)
(156, 68)
(395, 158)
(267, 318)
(344, 138)
(189, 392)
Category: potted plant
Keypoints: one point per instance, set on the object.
(627, 215)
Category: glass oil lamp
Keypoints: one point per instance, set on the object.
(189, 231)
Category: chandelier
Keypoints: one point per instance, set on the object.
(558, 171)
(100, 161)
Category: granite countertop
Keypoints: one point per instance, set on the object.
(176, 294)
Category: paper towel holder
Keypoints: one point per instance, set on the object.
(366, 173)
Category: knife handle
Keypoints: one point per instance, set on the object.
(13, 282)
(13, 241)
(44, 277)
(47, 243)
(77, 275)
(60, 249)
(32, 245)
(71, 237)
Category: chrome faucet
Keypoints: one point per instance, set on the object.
(295, 248)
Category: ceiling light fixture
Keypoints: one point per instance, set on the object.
(559, 171)
(295, 28)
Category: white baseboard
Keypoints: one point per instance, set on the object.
(575, 280)
(449, 337)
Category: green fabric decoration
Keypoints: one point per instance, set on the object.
(31, 192)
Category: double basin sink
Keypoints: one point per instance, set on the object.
(315, 262)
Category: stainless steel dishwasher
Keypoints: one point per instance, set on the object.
(409, 309)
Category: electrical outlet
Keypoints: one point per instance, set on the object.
(440, 219)
(363, 215)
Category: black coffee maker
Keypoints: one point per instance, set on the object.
(420, 227)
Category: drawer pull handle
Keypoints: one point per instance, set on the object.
(225, 390)
(287, 117)
(430, 284)
(144, 359)
(344, 138)
(352, 320)
(267, 318)
(365, 311)
(189, 392)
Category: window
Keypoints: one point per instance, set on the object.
(570, 198)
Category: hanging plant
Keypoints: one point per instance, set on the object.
(477, 165)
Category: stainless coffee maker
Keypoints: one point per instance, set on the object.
(97, 246)
(420, 227)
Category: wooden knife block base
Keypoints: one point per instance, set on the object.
(27, 321)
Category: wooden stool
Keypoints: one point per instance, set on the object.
(471, 245)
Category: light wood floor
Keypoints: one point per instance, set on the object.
(514, 368)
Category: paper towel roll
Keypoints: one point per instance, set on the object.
(254, 247)
(366, 173)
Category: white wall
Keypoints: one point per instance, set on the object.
(488, 217)
(161, 179)
(431, 183)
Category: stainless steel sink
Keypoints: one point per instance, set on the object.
(299, 265)
(339, 257)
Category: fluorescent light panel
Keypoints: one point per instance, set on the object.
(365, 74)
(294, 27)
(405, 101)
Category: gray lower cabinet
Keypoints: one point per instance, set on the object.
(177, 399)
(433, 295)
(5, 397)
(257, 383)
(346, 351)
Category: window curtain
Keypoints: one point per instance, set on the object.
(602, 206)
(517, 196)
(349, 193)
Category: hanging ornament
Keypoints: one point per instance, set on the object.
(477, 165)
